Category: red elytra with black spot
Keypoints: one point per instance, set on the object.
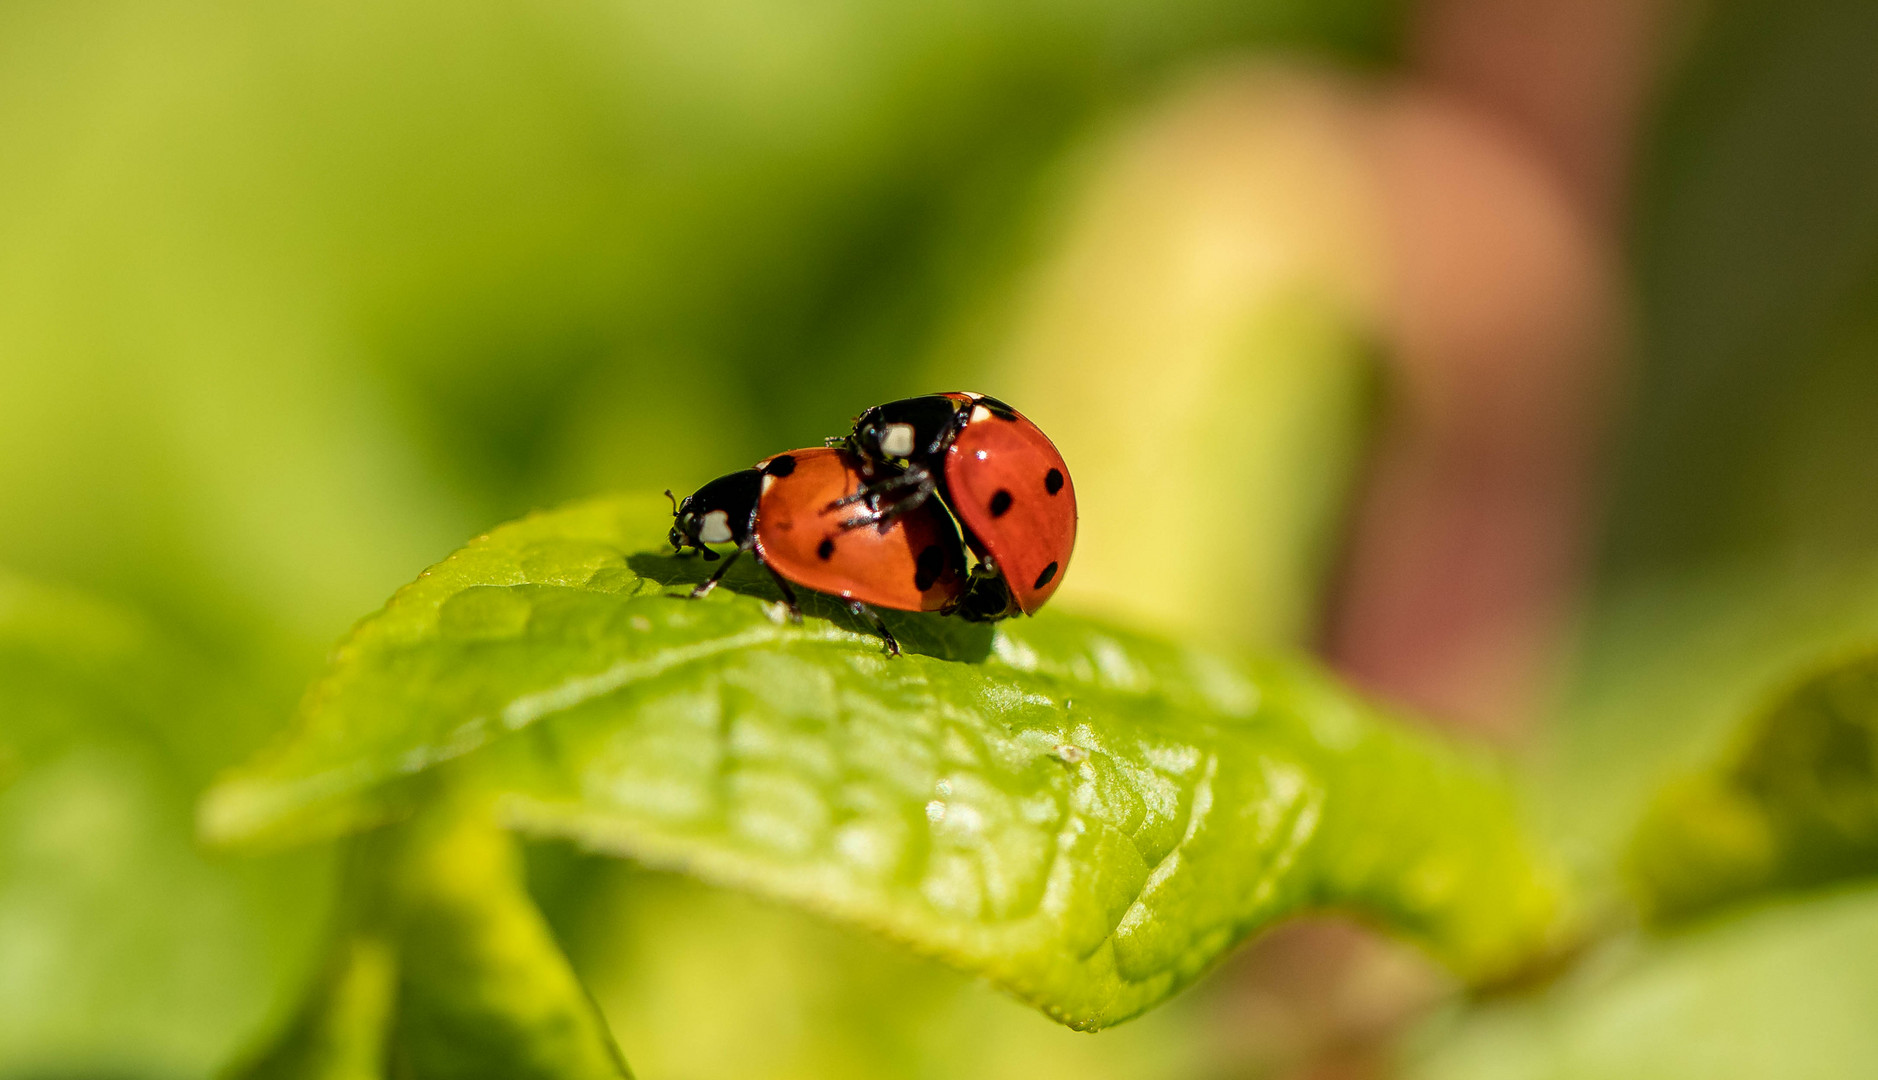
(1011, 489)
(912, 563)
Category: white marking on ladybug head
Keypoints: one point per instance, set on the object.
(714, 528)
(979, 414)
(896, 440)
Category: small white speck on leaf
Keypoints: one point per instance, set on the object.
(936, 811)
(1074, 755)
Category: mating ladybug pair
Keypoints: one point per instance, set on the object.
(857, 518)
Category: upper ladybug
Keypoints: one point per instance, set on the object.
(1000, 475)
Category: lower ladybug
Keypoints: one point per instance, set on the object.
(782, 511)
(998, 472)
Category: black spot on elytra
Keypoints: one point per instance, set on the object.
(1000, 503)
(1044, 578)
(782, 465)
(932, 563)
(998, 408)
(1053, 481)
(827, 549)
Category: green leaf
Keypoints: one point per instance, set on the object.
(442, 969)
(1795, 806)
(1087, 817)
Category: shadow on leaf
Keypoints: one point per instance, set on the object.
(940, 636)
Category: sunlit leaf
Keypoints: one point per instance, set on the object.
(1086, 816)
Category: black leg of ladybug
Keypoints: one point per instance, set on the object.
(700, 550)
(717, 575)
(915, 477)
(788, 595)
(873, 618)
(884, 516)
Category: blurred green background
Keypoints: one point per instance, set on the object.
(295, 298)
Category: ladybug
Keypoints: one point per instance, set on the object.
(781, 510)
(1000, 475)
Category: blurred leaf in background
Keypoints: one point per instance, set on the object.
(1743, 538)
(1786, 990)
(291, 289)
(126, 950)
(1197, 334)
(1742, 548)
(810, 999)
(1795, 807)
(441, 965)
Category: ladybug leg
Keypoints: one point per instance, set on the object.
(884, 516)
(916, 476)
(873, 618)
(788, 595)
(920, 480)
(717, 575)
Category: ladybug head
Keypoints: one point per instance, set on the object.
(865, 438)
(688, 527)
(880, 434)
(721, 512)
(682, 523)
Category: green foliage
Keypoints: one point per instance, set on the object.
(122, 947)
(1751, 440)
(378, 275)
(1787, 990)
(676, 964)
(293, 295)
(1738, 561)
(442, 967)
(1088, 817)
(1739, 543)
(1796, 806)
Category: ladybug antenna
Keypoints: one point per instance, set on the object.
(676, 537)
